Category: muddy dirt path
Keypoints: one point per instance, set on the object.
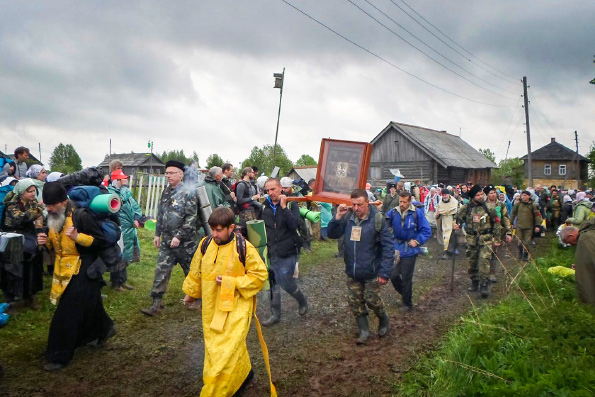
(317, 356)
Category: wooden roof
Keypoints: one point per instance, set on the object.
(133, 160)
(555, 151)
(448, 150)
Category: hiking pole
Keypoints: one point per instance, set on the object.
(452, 248)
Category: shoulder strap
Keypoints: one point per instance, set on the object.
(205, 244)
(241, 247)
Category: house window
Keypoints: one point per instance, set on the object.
(562, 169)
(547, 169)
(144, 170)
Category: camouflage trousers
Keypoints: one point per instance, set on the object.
(362, 293)
(167, 259)
(479, 253)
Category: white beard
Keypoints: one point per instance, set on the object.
(56, 221)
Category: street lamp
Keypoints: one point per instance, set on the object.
(279, 78)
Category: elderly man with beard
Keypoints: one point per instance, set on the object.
(80, 317)
(175, 235)
(445, 219)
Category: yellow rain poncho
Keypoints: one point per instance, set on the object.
(227, 311)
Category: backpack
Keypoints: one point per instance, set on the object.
(234, 188)
(240, 246)
(82, 196)
(4, 190)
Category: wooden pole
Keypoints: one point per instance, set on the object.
(529, 162)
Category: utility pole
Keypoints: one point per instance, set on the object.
(578, 167)
(279, 80)
(507, 149)
(529, 162)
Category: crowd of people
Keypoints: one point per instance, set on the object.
(380, 235)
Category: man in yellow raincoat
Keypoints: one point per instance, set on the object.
(228, 289)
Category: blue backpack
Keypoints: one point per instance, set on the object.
(4, 190)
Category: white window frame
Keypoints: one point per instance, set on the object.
(560, 168)
(547, 169)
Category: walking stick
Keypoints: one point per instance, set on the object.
(452, 248)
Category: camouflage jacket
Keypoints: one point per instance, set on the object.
(503, 218)
(527, 215)
(479, 221)
(176, 216)
(19, 215)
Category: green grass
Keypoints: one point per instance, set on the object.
(536, 342)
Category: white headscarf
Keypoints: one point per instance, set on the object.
(34, 170)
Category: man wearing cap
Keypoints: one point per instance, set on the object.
(495, 204)
(445, 219)
(528, 218)
(80, 317)
(175, 234)
(481, 225)
(129, 214)
(392, 198)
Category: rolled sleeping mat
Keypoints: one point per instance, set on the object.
(264, 255)
(257, 233)
(205, 213)
(312, 216)
(106, 203)
(203, 198)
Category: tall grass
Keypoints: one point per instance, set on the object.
(538, 341)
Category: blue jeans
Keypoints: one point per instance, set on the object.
(283, 269)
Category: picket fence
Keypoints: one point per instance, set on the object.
(147, 189)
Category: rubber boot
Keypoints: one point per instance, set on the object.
(275, 308)
(521, 250)
(383, 325)
(154, 309)
(364, 330)
(474, 286)
(302, 301)
(484, 288)
(526, 256)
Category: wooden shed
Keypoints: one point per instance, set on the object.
(428, 155)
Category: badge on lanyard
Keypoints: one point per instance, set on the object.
(356, 233)
(476, 218)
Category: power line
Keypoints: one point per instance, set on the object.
(430, 47)
(457, 44)
(388, 62)
(510, 122)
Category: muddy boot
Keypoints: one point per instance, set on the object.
(521, 251)
(493, 278)
(445, 256)
(474, 286)
(484, 288)
(275, 309)
(302, 301)
(383, 325)
(31, 302)
(155, 308)
(364, 330)
(526, 256)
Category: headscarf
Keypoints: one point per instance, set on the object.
(34, 170)
(567, 199)
(580, 196)
(23, 185)
(54, 176)
(8, 180)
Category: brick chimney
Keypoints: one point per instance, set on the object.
(553, 140)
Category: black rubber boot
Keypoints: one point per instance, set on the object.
(364, 330)
(275, 308)
(484, 288)
(521, 250)
(474, 286)
(383, 325)
(154, 309)
(302, 301)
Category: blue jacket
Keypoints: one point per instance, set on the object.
(405, 231)
(371, 256)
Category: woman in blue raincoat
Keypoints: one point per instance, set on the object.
(129, 215)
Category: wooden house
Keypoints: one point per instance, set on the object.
(427, 155)
(134, 163)
(555, 164)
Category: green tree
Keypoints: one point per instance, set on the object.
(263, 159)
(591, 156)
(65, 159)
(178, 155)
(511, 172)
(305, 160)
(488, 154)
(214, 160)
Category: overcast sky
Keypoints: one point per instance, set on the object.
(198, 75)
